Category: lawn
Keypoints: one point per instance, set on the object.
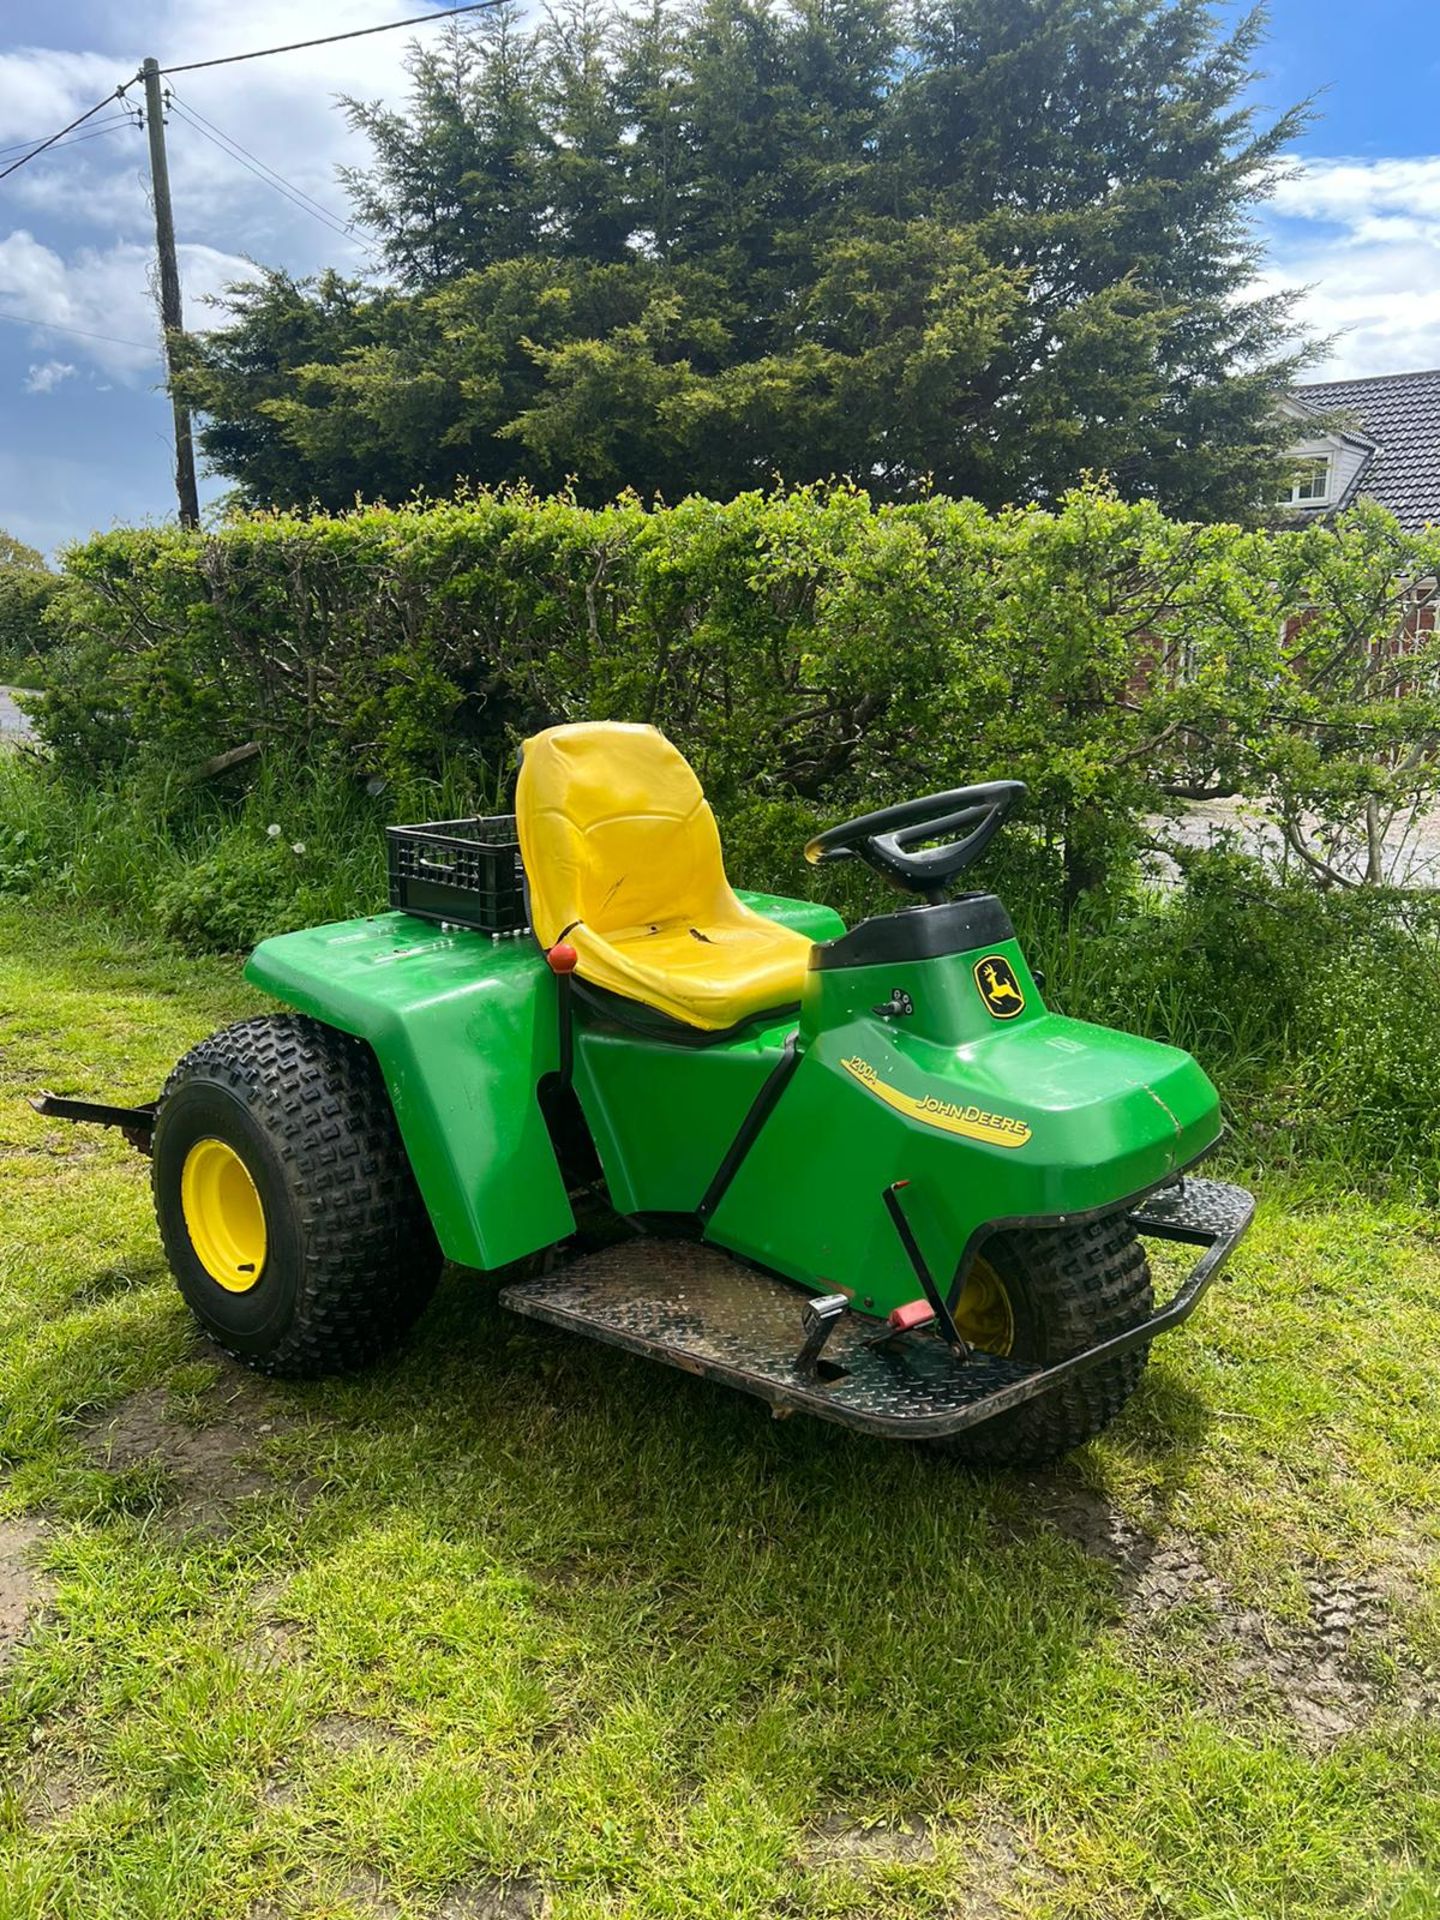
(515, 1625)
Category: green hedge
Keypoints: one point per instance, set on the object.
(814, 653)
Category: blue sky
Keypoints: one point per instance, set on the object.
(83, 431)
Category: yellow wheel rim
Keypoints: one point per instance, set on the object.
(223, 1215)
(983, 1314)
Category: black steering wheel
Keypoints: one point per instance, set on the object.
(975, 814)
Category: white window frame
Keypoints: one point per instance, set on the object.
(1320, 466)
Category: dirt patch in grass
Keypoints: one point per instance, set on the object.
(1320, 1671)
(23, 1593)
(1002, 1872)
(338, 1736)
(55, 1785)
(842, 1842)
(276, 1640)
(1000, 1869)
(342, 1733)
(492, 1900)
(206, 1455)
(276, 1643)
(366, 1892)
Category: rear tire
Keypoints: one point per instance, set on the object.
(278, 1136)
(1069, 1288)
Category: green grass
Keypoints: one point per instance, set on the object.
(514, 1612)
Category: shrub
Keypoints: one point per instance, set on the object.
(26, 593)
(228, 899)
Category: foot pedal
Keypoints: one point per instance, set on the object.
(820, 1319)
(909, 1318)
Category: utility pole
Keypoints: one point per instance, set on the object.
(171, 317)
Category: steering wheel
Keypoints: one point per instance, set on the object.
(882, 839)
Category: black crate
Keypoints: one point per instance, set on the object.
(466, 872)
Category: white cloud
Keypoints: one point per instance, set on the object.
(41, 88)
(77, 232)
(46, 377)
(1363, 238)
(281, 109)
(82, 256)
(99, 299)
(1350, 190)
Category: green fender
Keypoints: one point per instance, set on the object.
(464, 1026)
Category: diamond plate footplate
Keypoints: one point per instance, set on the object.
(1200, 1211)
(697, 1308)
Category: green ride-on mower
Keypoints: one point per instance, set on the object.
(865, 1174)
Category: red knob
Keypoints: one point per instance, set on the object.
(562, 957)
(915, 1313)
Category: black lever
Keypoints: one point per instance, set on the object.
(949, 1332)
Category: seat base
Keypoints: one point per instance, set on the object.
(719, 973)
(651, 1024)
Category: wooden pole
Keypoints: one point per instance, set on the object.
(171, 317)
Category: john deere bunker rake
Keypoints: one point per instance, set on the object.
(862, 1174)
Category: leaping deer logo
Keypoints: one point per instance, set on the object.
(999, 989)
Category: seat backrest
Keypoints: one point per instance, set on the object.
(615, 832)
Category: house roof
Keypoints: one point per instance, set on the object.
(1399, 415)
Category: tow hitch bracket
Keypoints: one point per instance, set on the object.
(137, 1124)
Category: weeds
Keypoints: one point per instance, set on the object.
(215, 869)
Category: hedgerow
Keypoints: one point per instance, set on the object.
(814, 653)
(26, 592)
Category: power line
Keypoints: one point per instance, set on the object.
(235, 152)
(60, 326)
(194, 113)
(359, 33)
(286, 186)
(258, 53)
(89, 114)
(105, 126)
(110, 126)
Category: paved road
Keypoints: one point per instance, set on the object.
(13, 723)
(1412, 848)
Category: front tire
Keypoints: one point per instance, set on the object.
(1066, 1289)
(285, 1201)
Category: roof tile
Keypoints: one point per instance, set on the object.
(1401, 413)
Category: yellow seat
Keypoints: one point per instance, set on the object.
(623, 860)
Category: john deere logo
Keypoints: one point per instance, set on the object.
(999, 989)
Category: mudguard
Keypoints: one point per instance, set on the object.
(464, 1028)
(949, 1076)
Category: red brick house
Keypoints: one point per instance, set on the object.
(1379, 440)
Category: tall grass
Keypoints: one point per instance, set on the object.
(217, 866)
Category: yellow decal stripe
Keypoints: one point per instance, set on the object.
(972, 1123)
